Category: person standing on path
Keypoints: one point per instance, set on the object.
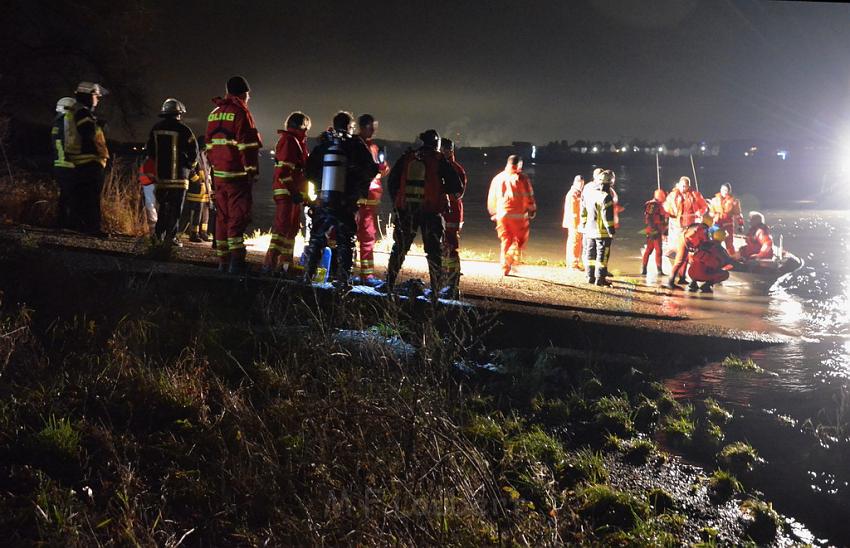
(572, 220)
(597, 224)
(233, 147)
(511, 205)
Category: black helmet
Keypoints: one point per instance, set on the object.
(172, 107)
(430, 139)
(237, 85)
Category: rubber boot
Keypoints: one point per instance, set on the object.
(643, 270)
(671, 283)
(238, 266)
(706, 288)
(195, 237)
(693, 286)
(591, 274)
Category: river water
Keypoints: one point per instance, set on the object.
(797, 414)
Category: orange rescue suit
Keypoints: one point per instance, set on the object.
(759, 243)
(572, 220)
(510, 202)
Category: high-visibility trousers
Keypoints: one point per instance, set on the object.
(287, 223)
(233, 200)
(513, 233)
(575, 246)
(367, 232)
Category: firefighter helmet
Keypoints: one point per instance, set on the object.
(65, 104)
(92, 88)
(430, 139)
(172, 107)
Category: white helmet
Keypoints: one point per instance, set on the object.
(90, 87)
(65, 104)
(172, 107)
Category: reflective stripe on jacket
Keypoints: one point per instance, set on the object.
(597, 211)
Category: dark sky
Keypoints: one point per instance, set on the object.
(499, 71)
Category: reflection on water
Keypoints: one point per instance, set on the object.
(797, 414)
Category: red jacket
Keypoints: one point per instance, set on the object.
(376, 190)
(232, 140)
(290, 162)
(687, 208)
(147, 172)
(655, 218)
(422, 178)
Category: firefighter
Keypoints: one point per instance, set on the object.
(725, 210)
(197, 206)
(572, 210)
(63, 169)
(174, 150)
(233, 145)
(684, 206)
(367, 208)
(511, 204)
(759, 241)
(597, 225)
(343, 166)
(83, 145)
(290, 192)
(419, 184)
(709, 263)
(147, 180)
(453, 223)
(655, 221)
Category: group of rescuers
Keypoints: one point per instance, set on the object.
(697, 230)
(426, 186)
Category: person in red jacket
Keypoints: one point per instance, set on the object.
(147, 179)
(709, 263)
(289, 189)
(725, 210)
(759, 241)
(655, 219)
(685, 243)
(233, 145)
(453, 221)
(418, 184)
(511, 204)
(572, 220)
(367, 208)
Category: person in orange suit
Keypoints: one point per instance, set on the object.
(289, 189)
(725, 210)
(655, 219)
(759, 241)
(572, 210)
(685, 207)
(511, 205)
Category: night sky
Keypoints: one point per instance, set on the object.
(500, 71)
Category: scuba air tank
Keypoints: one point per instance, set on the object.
(334, 163)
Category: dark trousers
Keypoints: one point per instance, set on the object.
(596, 254)
(405, 226)
(85, 196)
(67, 212)
(325, 219)
(170, 202)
